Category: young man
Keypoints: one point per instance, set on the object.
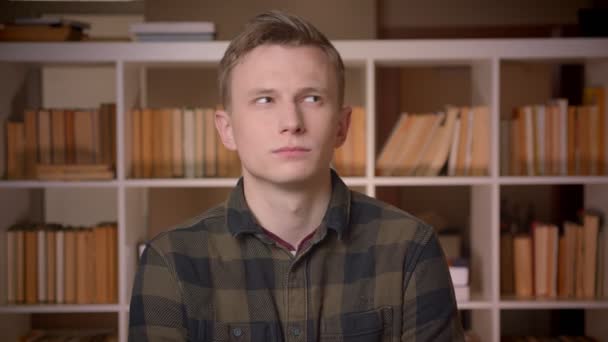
(293, 254)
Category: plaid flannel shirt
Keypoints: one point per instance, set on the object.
(370, 272)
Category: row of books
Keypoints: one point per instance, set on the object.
(548, 339)
(557, 138)
(173, 31)
(51, 263)
(43, 29)
(39, 335)
(183, 143)
(56, 141)
(424, 144)
(544, 264)
(180, 143)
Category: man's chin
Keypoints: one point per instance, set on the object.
(288, 178)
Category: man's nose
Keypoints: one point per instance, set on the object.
(290, 120)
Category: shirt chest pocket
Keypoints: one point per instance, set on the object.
(244, 332)
(366, 326)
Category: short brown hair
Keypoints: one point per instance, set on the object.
(276, 27)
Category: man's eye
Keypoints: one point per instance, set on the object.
(264, 99)
(312, 98)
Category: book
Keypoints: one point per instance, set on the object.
(178, 143)
(83, 137)
(82, 264)
(11, 264)
(40, 33)
(44, 137)
(212, 144)
(59, 265)
(199, 142)
(506, 264)
(523, 266)
(41, 263)
(400, 166)
(462, 293)
(163, 27)
(453, 157)
(31, 142)
(74, 172)
(422, 145)
(58, 136)
(189, 143)
(591, 228)
(173, 31)
(437, 154)
(70, 142)
(147, 142)
(70, 267)
(385, 161)
(31, 264)
(480, 147)
(101, 263)
(464, 143)
(51, 21)
(20, 263)
(459, 271)
(15, 148)
(136, 144)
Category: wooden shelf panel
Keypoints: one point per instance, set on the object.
(59, 308)
(57, 184)
(553, 304)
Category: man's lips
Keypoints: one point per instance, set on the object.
(291, 152)
(291, 149)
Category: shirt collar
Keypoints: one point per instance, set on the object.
(240, 219)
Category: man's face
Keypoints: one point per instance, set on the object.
(284, 117)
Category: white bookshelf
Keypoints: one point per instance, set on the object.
(127, 198)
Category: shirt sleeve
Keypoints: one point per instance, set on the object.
(430, 312)
(157, 311)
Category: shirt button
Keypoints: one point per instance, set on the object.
(296, 331)
(237, 332)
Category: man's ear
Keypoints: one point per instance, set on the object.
(343, 125)
(223, 124)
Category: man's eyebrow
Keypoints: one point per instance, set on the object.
(261, 91)
(320, 90)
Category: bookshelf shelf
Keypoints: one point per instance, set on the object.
(189, 183)
(537, 180)
(431, 181)
(56, 184)
(475, 305)
(553, 304)
(59, 308)
(130, 68)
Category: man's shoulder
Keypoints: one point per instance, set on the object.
(192, 233)
(392, 223)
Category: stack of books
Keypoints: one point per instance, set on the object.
(43, 29)
(459, 271)
(543, 264)
(55, 264)
(424, 144)
(173, 31)
(62, 144)
(179, 143)
(451, 243)
(557, 138)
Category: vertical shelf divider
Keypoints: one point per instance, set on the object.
(370, 134)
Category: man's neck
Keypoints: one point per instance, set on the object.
(290, 213)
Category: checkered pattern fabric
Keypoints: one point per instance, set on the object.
(371, 272)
